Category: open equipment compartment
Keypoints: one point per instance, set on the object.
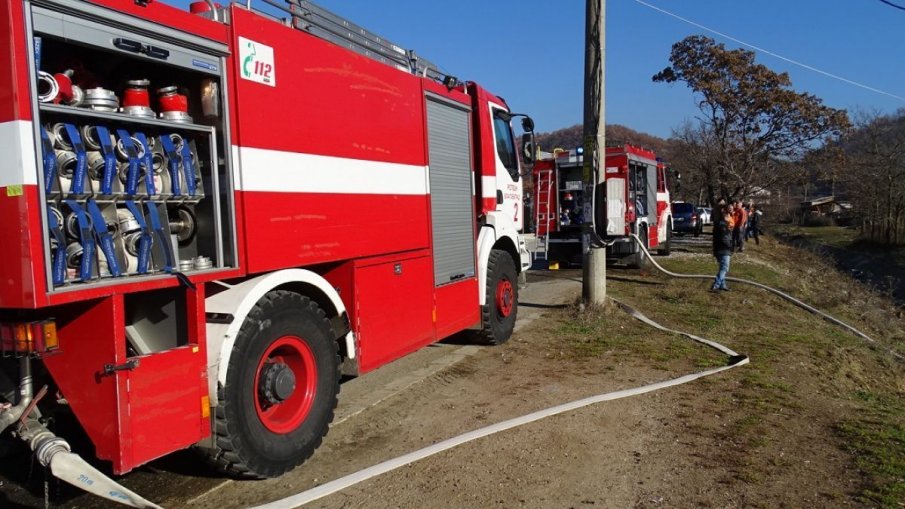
(132, 144)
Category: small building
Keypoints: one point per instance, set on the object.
(825, 207)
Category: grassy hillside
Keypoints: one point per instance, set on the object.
(817, 418)
(880, 266)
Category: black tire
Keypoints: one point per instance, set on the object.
(498, 314)
(666, 246)
(287, 329)
(639, 259)
(698, 229)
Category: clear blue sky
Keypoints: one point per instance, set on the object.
(532, 52)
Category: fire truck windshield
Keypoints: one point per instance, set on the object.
(505, 146)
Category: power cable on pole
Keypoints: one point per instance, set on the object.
(772, 53)
(887, 2)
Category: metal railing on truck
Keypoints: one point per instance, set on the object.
(315, 20)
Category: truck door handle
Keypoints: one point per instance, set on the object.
(127, 45)
(155, 52)
(137, 47)
(499, 196)
(129, 365)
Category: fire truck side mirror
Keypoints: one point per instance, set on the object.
(528, 148)
(527, 124)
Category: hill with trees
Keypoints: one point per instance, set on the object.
(570, 137)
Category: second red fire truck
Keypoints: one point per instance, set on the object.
(636, 202)
(209, 217)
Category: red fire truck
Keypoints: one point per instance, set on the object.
(637, 201)
(208, 217)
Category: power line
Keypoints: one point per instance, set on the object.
(887, 2)
(772, 54)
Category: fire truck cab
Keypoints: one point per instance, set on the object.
(636, 202)
(209, 216)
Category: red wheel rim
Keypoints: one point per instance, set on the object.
(287, 415)
(505, 298)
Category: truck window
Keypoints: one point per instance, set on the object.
(640, 173)
(505, 146)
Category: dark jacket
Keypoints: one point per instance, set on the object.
(755, 220)
(722, 238)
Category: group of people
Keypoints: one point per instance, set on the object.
(735, 223)
(746, 223)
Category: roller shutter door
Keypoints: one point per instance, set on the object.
(450, 171)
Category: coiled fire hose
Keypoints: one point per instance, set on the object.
(734, 360)
(772, 290)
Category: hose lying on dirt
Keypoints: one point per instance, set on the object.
(784, 295)
(54, 452)
(331, 487)
(76, 471)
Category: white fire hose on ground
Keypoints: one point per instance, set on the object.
(734, 360)
(54, 452)
(772, 290)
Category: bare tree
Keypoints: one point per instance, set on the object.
(694, 158)
(875, 175)
(752, 121)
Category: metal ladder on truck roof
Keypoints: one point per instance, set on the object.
(543, 198)
(314, 19)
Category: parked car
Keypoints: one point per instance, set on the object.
(685, 219)
(704, 213)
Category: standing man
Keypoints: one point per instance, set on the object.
(741, 223)
(754, 220)
(722, 247)
(750, 209)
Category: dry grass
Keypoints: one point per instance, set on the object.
(809, 382)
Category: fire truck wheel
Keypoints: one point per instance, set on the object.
(501, 308)
(665, 246)
(639, 259)
(281, 388)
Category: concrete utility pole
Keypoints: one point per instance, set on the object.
(594, 275)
